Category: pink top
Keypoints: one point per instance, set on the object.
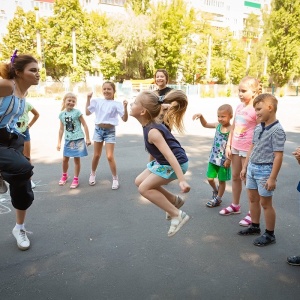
(244, 124)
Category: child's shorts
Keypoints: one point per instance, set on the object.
(165, 171)
(214, 171)
(75, 148)
(108, 135)
(26, 135)
(238, 152)
(257, 176)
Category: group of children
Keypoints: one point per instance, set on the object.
(252, 147)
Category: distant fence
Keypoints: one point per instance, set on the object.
(129, 90)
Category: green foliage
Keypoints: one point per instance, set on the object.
(284, 40)
(138, 6)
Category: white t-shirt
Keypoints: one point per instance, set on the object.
(106, 111)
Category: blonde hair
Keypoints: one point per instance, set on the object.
(227, 108)
(174, 115)
(253, 83)
(66, 96)
(266, 98)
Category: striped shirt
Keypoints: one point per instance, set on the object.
(267, 140)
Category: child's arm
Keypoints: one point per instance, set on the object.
(88, 102)
(125, 116)
(36, 115)
(271, 182)
(86, 130)
(228, 146)
(204, 122)
(60, 134)
(245, 165)
(155, 137)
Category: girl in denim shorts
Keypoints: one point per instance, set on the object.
(106, 112)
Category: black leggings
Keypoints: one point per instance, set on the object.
(16, 169)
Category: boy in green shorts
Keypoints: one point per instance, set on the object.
(218, 165)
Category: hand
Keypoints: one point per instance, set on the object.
(270, 184)
(89, 95)
(227, 163)
(196, 117)
(297, 154)
(125, 103)
(88, 142)
(58, 148)
(228, 153)
(184, 186)
(243, 175)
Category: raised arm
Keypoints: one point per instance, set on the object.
(204, 122)
(88, 102)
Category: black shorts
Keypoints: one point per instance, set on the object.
(16, 169)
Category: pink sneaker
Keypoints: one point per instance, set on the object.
(74, 184)
(63, 180)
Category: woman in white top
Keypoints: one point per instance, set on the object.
(106, 112)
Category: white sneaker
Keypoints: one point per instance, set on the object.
(22, 239)
(115, 184)
(178, 222)
(3, 186)
(32, 184)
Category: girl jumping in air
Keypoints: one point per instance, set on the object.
(71, 120)
(106, 112)
(170, 160)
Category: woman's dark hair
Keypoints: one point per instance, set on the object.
(8, 70)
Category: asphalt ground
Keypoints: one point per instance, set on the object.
(98, 243)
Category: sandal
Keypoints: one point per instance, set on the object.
(63, 180)
(178, 203)
(177, 223)
(250, 231)
(246, 221)
(74, 184)
(92, 179)
(214, 202)
(230, 210)
(265, 240)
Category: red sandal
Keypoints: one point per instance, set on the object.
(230, 210)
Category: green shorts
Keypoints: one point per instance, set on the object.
(214, 171)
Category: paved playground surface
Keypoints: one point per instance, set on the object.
(96, 243)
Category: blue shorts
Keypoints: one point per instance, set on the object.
(165, 171)
(26, 135)
(108, 135)
(257, 176)
(75, 148)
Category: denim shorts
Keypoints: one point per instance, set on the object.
(257, 176)
(239, 152)
(165, 171)
(108, 135)
(26, 135)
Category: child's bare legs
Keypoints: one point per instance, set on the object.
(65, 165)
(211, 182)
(221, 190)
(20, 216)
(269, 212)
(111, 159)
(97, 154)
(254, 204)
(236, 168)
(27, 149)
(77, 166)
(217, 192)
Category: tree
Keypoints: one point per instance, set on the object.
(138, 6)
(21, 34)
(284, 40)
(68, 22)
(171, 25)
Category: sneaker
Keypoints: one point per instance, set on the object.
(115, 184)
(32, 184)
(74, 184)
(63, 180)
(214, 202)
(178, 222)
(265, 240)
(178, 203)
(92, 179)
(22, 239)
(293, 260)
(3, 186)
(250, 231)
